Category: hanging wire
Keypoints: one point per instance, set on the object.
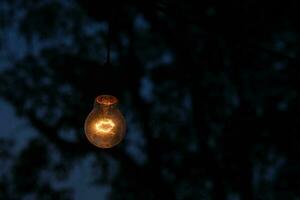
(109, 38)
(108, 43)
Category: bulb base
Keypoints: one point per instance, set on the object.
(107, 100)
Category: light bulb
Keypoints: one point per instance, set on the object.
(105, 125)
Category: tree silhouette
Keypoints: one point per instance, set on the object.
(209, 90)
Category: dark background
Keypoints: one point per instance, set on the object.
(208, 89)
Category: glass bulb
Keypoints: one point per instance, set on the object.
(105, 125)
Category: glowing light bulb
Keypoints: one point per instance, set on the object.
(105, 125)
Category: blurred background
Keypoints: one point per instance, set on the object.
(208, 89)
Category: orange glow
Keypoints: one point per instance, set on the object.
(105, 125)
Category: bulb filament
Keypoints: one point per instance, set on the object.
(105, 125)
